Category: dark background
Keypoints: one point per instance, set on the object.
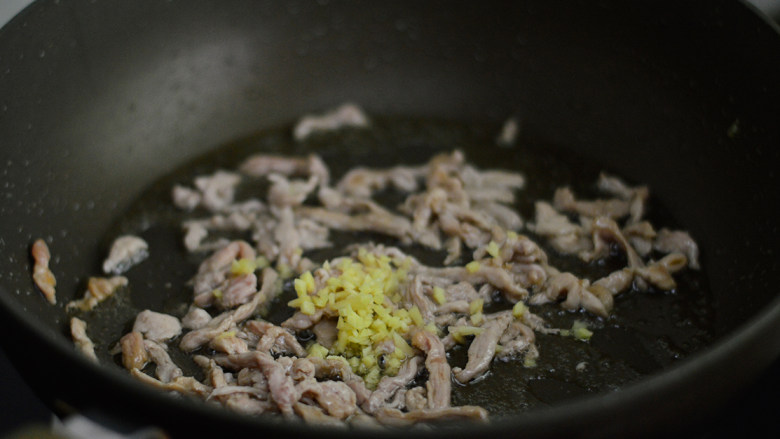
(752, 413)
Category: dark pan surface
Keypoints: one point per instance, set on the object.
(101, 99)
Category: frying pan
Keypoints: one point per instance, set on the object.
(98, 99)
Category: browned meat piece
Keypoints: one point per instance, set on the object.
(483, 348)
(636, 196)
(42, 275)
(376, 219)
(363, 182)
(182, 384)
(134, 355)
(496, 276)
(300, 321)
(217, 190)
(415, 399)
(439, 385)
(335, 397)
(640, 235)
(517, 338)
(396, 417)
(195, 318)
(166, 369)
(346, 115)
(565, 236)
(315, 416)
(157, 326)
(78, 330)
(223, 322)
(125, 252)
(275, 339)
(564, 200)
(669, 241)
(262, 165)
(659, 273)
(575, 292)
(286, 193)
(238, 291)
(213, 271)
(606, 231)
(389, 385)
(506, 217)
(229, 343)
(185, 198)
(243, 401)
(98, 290)
(338, 369)
(326, 332)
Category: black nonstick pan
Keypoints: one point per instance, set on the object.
(100, 100)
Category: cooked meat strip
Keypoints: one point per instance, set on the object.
(375, 219)
(564, 236)
(156, 326)
(275, 339)
(640, 235)
(439, 385)
(134, 355)
(346, 115)
(496, 276)
(315, 416)
(659, 273)
(389, 385)
(213, 271)
(671, 241)
(363, 182)
(166, 369)
(195, 318)
(78, 330)
(98, 290)
(336, 368)
(606, 231)
(575, 292)
(637, 196)
(335, 397)
(42, 275)
(281, 385)
(326, 332)
(183, 384)
(286, 193)
(617, 281)
(238, 290)
(185, 198)
(244, 402)
(564, 200)
(415, 399)
(390, 416)
(506, 217)
(229, 343)
(517, 338)
(483, 348)
(125, 252)
(261, 165)
(221, 323)
(217, 190)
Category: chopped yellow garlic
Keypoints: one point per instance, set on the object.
(519, 309)
(243, 266)
(476, 306)
(438, 295)
(492, 249)
(472, 267)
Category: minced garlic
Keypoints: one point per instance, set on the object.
(356, 293)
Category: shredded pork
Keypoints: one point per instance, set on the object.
(299, 368)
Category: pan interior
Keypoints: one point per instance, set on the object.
(645, 333)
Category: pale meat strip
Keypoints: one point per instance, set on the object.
(98, 290)
(439, 384)
(78, 330)
(126, 251)
(42, 275)
(389, 385)
(391, 416)
(483, 348)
